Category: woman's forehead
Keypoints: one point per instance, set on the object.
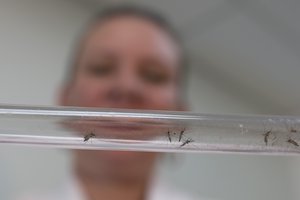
(131, 34)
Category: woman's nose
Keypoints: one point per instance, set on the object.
(127, 90)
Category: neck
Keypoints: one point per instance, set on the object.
(113, 189)
(114, 180)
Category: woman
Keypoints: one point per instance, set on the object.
(128, 58)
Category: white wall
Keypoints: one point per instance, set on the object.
(35, 42)
(36, 38)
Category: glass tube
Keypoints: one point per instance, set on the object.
(145, 130)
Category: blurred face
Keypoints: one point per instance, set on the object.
(125, 63)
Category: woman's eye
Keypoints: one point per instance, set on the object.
(154, 77)
(100, 70)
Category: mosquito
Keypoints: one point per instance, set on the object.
(267, 135)
(189, 140)
(89, 136)
(169, 136)
(293, 142)
(181, 134)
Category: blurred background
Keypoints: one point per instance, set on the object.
(244, 60)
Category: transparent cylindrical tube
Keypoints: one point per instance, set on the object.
(145, 130)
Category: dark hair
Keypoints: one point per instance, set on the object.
(139, 12)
